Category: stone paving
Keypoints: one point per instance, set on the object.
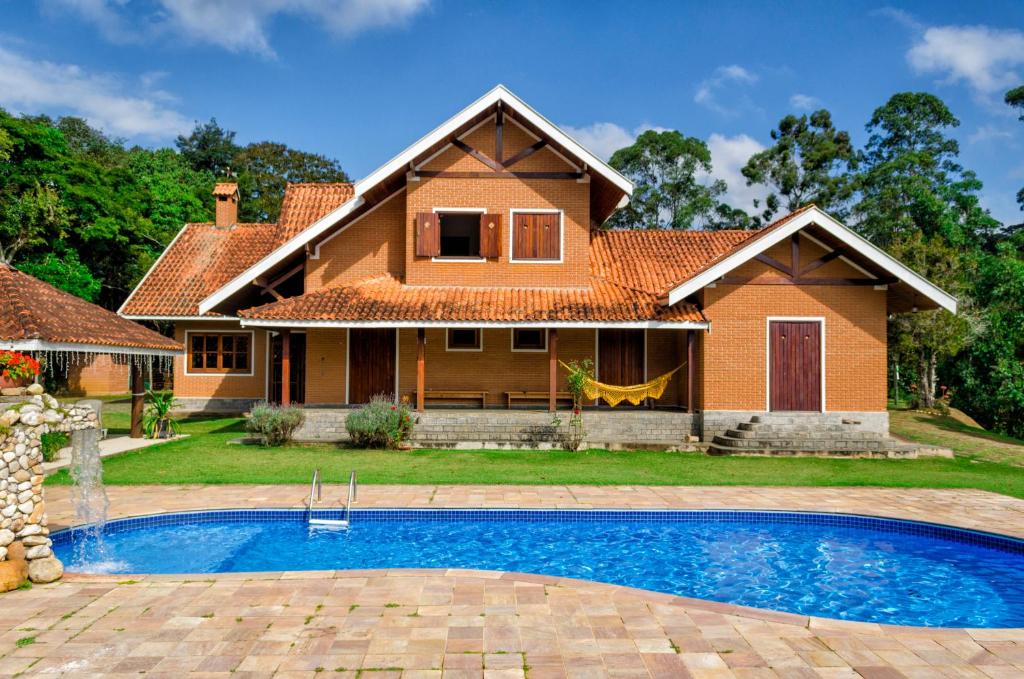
(432, 623)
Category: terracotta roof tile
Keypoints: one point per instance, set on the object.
(303, 204)
(201, 260)
(34, 310)
(652, 261)
(225, 189)
(388, 299)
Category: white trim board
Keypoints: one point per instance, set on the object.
(768, 357)
(822, 220)
(226, 319)
(499, 95)
(664, 325)
(43, 345)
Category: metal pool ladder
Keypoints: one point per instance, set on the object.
(315, 492)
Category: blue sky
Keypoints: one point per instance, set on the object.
(361, 79)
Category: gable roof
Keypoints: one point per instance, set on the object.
(437, 138)
(808, 216)
(202, 257)
(36, 316)
(385, 300)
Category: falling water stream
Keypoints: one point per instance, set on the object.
(89, 497)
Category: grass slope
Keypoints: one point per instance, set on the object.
(205, 457)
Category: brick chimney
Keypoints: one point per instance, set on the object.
(226, 195)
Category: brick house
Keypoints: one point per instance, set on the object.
(459, 272)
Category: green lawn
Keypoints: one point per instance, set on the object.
(205, 457)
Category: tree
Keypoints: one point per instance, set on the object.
(264, 169)
(1015, 98)
(910, 179)
(810, 162)
(209, 148)
(667, 168)
(65, 271)
(26, 220)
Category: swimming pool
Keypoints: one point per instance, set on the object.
(832, 565)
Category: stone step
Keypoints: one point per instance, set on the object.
(804, 434)
(839, 444)
(817, 426)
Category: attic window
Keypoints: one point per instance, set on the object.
(460, 234)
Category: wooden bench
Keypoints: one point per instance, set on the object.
(534, 396)
(453, 394)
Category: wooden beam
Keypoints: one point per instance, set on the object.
(421, 368)
(552, 368)
(732, 280)
(525, 153)
(498, 175)
(267, 290)
(286, 275)
(479, 155)
(138, 400)
(691, 341)
(773, 263)
(794, 249)
(286, 367)
(822, 261)
(499, 137)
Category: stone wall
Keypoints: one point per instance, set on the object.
(25, 546)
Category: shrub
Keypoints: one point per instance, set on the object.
(51, 443)
(274, 425)
(157, 421)
(17, 366)
(381, 423)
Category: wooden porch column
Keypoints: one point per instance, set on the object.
(552, 369)
(691, 340)
(421, 368)
(138, 399)
(286, 367)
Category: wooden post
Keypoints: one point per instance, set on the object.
(691, 340)
(286, 367)
(552, 368)
(138, 399)
(421, 368)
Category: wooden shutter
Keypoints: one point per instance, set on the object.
(428, 235)
(548, 238)
(536, 236)
(490, 235)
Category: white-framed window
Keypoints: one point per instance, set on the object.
(529, 340)
(460, 234)
(463, 339)
(536, 236)
(219, 353)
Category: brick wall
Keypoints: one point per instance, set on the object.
(501, 196)
(734, 372)
(221, 386)
(325, 366)
(102, 375)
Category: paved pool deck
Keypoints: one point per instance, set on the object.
(436, 623)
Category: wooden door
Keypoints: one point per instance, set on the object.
(297, 368)
(620, 357)
(371, 363)
(795, 365)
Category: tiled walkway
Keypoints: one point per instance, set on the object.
(379, 624)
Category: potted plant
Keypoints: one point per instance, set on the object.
(17, 369)
(157, 422)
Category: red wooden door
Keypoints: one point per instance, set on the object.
(795, 365)
(620, 357)
(371, 363)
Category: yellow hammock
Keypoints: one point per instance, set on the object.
(614, 395)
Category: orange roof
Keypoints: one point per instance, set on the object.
(303, 204)
(35, 312)
(654, 260)
(225, 189)
(200, 260)
(386, 298)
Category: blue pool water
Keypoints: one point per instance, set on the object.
(837, 566)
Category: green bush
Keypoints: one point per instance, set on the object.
(51, 443)
(381, 423)
(274, 425)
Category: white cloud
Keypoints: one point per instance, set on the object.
(709, 90)
(981, 56)
(989, 133)
(238, 25)
(728, 156)
(604, 139)
(32, 86)
(804, 102)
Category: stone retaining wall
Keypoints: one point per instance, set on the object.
(25, 546)
(716, 422)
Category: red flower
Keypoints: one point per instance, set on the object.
(394, 407)
(575, 411)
